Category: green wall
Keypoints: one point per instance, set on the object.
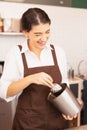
(79, 3)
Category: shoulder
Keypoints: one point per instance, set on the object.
(13, 53)
(14, 49)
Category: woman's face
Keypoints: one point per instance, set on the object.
(38, 36)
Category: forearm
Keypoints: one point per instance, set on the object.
(38, 78)
(16, 87)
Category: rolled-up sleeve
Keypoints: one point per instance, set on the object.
(11, 73)
(3, 90)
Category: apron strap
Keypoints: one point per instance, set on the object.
(54, 55)
(23, 59)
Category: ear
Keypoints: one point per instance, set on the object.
(25, 34)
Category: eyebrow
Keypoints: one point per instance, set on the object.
(41, 32)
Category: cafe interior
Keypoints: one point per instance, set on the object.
(69, 30)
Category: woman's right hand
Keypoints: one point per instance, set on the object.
(42, 78)
(38, 78)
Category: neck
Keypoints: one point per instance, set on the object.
(35, 50)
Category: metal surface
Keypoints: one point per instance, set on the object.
(65, 101)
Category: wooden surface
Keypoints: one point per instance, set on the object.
(83, 127)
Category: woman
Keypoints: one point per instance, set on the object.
(30, 71)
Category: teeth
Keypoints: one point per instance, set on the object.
(56, 88)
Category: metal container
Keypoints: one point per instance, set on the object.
(64, 100)
(7, 24)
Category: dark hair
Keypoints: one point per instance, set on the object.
(33, 16)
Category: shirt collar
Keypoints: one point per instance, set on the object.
(25, 47)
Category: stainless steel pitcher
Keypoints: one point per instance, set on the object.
(64, 100)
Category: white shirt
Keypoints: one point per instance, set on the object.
(13, 68)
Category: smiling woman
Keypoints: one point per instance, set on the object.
(31, 69)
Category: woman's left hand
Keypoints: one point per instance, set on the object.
(69, 117)
(73, 117)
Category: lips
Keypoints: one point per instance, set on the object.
(42, 43)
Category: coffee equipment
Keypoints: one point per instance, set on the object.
(63, 99)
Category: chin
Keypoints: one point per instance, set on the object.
(42, 46)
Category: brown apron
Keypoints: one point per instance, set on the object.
(34, 111)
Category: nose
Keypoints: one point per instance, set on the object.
(44, 38)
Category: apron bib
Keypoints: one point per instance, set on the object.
(34, 111)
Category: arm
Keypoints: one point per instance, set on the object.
(12, 80)
(38, 78)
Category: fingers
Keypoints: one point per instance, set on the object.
(80, 102)
(43, 78)
(75, 116)
(69, 117)
(47, 80)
